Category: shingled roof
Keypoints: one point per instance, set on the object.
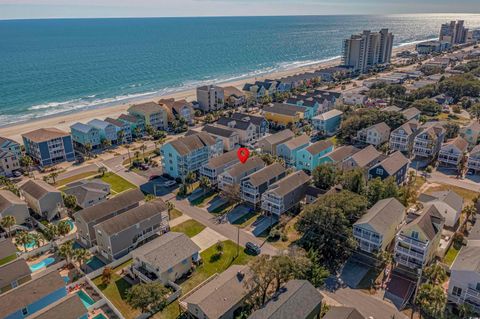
(381, 215)
(189, 143)
(146, 108)
(45, 134)
(319, 146)
(70, 306)
(266, 174)
(38, 188)
(393, 163)
(289, 183)
(366, 156)
(12, 271)
(223, 159)
(8, 199)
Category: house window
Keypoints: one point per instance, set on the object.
(170, 270)
(379, 171)
(457, 291)
(415, 234)
(25, 311)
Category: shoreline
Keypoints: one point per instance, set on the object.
(65, 119)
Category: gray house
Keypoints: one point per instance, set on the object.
(42, 198)
(218, 165)
(8, 251)
(286, 193)
(11, 205)
(88, 192)
(234, 174)
(165, 258)
(86, 218)
(296, 299)
(254, 185)
(269, 144)
(14, 274)
(220, 297)
(120, 234)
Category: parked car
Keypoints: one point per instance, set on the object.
(254, 248)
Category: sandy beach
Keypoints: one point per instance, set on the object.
(63, 121)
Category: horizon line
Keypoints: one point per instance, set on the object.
(239, 16)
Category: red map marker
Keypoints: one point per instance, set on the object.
(243, 154)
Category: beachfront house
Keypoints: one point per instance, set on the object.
(137, 124)
(12, 205)
(9, 145)
(120, 234)
(401, 138)
(107, 131)
(181, 110)
(165, 259)
(288, 150)
(87, 218)
(123, 130)
(218, 165)
(452, 152)
(210, 98)
(220, 297)
(253, 186)
(283, 114)
(9, 163)
(259, 122)
(84, 136)
(268, 144)
(234, 97)
(375, 231)
(374, 135)
(285, 194)
(49, 146)
(417, 241)
(189, 153)
(310, 157)
(327, 123)
(88, 192)
(14, 274)
(235, 173)
(151, 114)
(395, 166)
(42, 198)
(32, 296)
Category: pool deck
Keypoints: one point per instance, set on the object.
(41, 258)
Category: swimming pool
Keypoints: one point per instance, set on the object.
(71, 224)
(100, 316)
(30, 245)
(41, 264)
(95, 263)
(86, 299)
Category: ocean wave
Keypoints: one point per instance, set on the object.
(403, 44)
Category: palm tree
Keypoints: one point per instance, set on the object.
(63, 228)
(23, 238)
(27, 162)
(102, 170)
(205, 184)
(431, 299)
(128, 152)
(53, 176)
(170, 207)
(38, 239)
(106, 143)
(190, 178)
(88, 148)
(143, 148)
(462, 165)
(7, 223)
(469, 212)
(435, 274)
(66, 251)
(106, 276)
(81, 256)
(51, 231)
(120, 136)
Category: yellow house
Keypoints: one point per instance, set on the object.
(417, 242)
(283, 114)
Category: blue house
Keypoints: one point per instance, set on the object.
(288, 150)
(189, 153)
(395, 165)
(328, 123)
(309, 105)
(107, 130)
(32, 296)
(49, 146)
(83, 134)
(137, 125)
(11, 146)
(310, 157)
(121, 128)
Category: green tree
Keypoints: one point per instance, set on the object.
(427, 107)
(51, 231)
(354, 180)
(452, 130)
(475, 111)
(150, 197)
(190, 178)
(7, 223)
(205, 184)
(431, 299)
(316, 273)
(102, 170)
(325, 176)
(106, 276)
(462, 165)
(38, 239)
(26, 162)
(23, 238)
(88, 148)
(148, 298)
(69, 200)
(81, 255)
(53, 176)
(66, 251)
(63, 227)
(120, 137)
(435, 274)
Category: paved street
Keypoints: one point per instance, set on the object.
(439, 177)
(227, 230)
(115, 165)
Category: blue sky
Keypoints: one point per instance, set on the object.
(19, 9)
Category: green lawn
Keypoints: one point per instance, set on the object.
(190, 228)
(175, 213)
(74, 178)
(7, 259)
(117, 184)
(210, 266)
(451, 255)
(115, 291)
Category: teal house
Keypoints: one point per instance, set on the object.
(310, 157)
(83, 134)
(309, 105)
(328, 123)
(288, 150)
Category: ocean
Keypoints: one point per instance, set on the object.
(53, 66)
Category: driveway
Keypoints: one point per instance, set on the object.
(116, 165)
(207, 238)
(225, 229)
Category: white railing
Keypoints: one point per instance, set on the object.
(412, 241)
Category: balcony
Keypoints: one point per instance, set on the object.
(411, 241)
(143, 274)
(448, 159)
(367, 237)
(409, 253)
